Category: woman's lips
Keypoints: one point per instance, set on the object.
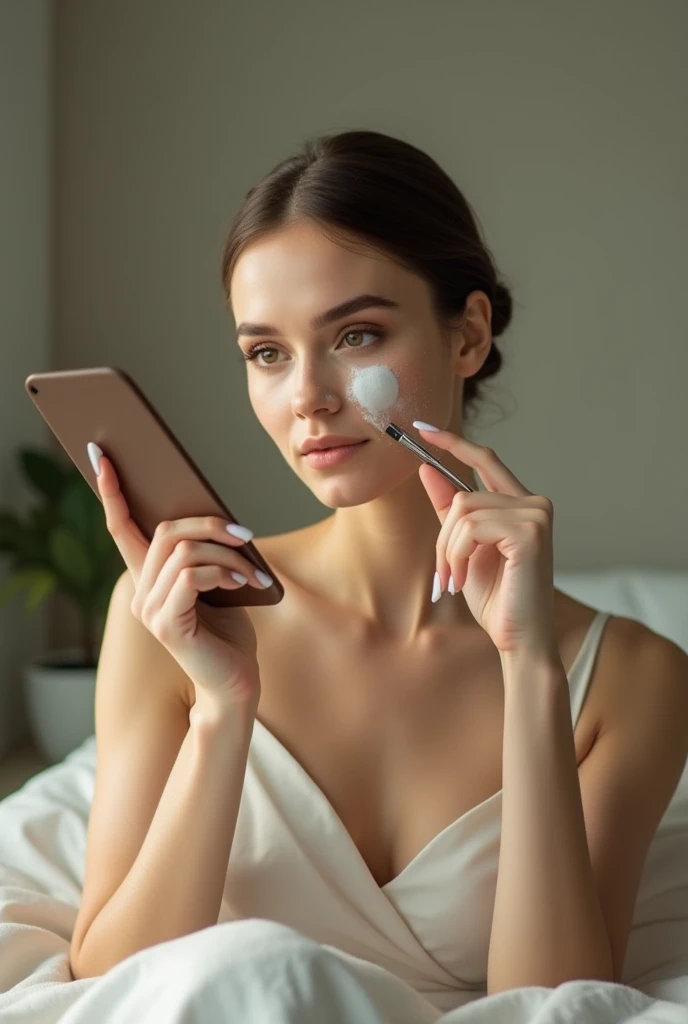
(323, 458)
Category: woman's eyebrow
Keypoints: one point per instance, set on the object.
(365, 301)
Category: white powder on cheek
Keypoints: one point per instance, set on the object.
(375, 390)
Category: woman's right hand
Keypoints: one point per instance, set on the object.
(216, 647)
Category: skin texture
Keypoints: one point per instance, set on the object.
(385, 529)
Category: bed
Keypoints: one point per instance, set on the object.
(246, 971)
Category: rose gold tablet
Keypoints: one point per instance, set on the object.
(158, 477)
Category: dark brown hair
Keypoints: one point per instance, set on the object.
(395, 197)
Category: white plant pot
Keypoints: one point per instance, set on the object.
(60, 701)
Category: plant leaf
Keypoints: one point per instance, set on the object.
(20, 578)
(17, 538)
(103, 543)
(63, 544)
(42, 519)
(76, 508)
(70, 557)
(44, 471)
(11, 531)
(42, 584)
(101, 599)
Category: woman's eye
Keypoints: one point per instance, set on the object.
(361, 330)
(259, 350)
(253, 354)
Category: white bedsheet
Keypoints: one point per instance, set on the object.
(258, 972)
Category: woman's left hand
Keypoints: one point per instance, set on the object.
(497, 546)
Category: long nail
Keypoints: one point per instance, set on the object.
(239, 531)
(436, 588)
(94, 453)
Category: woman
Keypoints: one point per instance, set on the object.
(454, 769)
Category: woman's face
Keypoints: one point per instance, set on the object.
(350, 376)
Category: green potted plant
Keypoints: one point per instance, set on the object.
(61, 546)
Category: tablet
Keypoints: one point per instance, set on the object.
(159, 479)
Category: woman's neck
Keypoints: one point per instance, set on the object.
(379, 559)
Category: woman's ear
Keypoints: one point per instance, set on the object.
(473, 336)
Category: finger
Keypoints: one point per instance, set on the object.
(190, 554)
(509, 536)
(132, 544)
(464, 504)
(494, 474)
(180, 598)
(187, 539)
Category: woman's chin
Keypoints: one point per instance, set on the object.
(338, 495)
(356, 489)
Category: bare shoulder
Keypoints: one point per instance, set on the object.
(643, 741)
(644, 673)
(635, 667)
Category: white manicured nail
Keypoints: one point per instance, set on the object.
(263, 578)
(239, 531)
(94, 453)
(239, 577)
(451, 585)
(436, 588)
(424, 426)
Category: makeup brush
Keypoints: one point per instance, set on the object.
(423, 454)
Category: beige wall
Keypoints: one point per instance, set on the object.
(559, 121)
(25, 179)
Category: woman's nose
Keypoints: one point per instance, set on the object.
(313, 392)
